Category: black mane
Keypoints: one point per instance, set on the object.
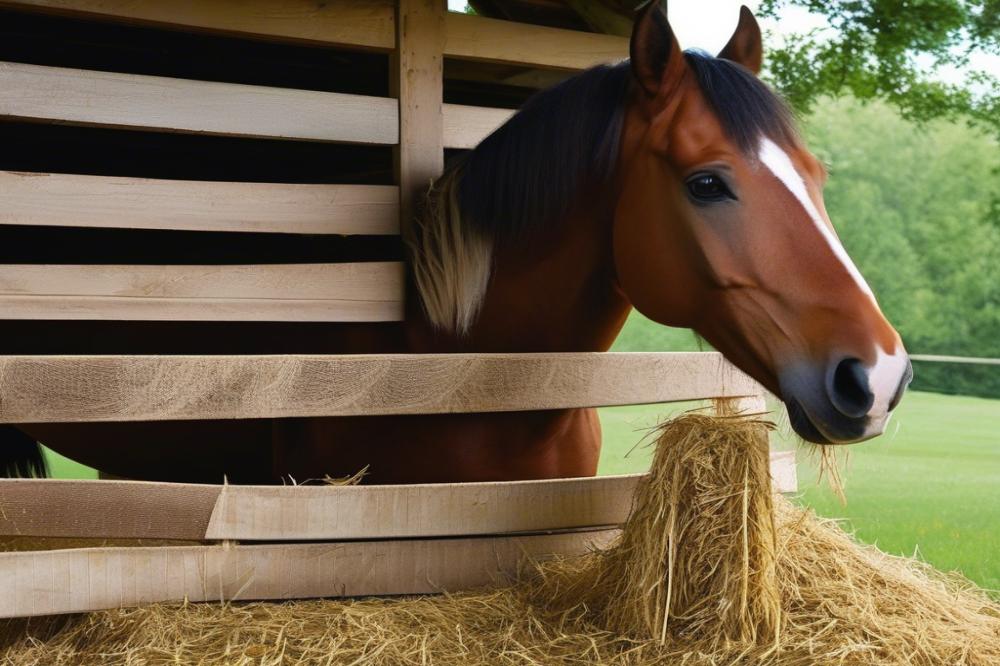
(529, 171)
(745, 107)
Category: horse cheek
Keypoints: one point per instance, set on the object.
(653, 261)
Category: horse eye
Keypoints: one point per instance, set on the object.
(707, 187)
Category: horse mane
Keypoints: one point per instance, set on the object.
(743, 104)
(525, 176)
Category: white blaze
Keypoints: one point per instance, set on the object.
(886, 372)
(778, 162)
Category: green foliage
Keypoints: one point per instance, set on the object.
(641, 334)
(892, 50)
(914, 208)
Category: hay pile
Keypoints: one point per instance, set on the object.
(707, 571)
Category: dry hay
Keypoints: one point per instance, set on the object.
(707, 571)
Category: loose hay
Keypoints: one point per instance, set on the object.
(710, 569)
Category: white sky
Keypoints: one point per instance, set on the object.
(708, 24)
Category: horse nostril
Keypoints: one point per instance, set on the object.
(849, 390)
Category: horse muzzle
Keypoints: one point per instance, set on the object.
(844, 400)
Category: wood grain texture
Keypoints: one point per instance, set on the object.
(198, 512)
(279, 292)
(418, 80)
(89, 509)
(278, 513)
(492, 40)
(364, 23)
(134, 101)
(156, 510)
(466, 126)
(36, 389)
(86, 579)
(784, 473)
(66, 200)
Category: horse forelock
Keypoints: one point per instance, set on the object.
(746, 108)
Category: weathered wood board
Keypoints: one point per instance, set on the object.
(70, 200)
(86, 579)
(364, 292)
(35, 389)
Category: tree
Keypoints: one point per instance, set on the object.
(893, 50)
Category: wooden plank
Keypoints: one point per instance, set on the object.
(364, 23)
(784, 473)
(86, 579)
(133, 101)
(37, 389)
(198, 512)
(145, 510)
(493, 40)
(278, 292)
(152, 510)
(89, 509)
(65, 200)
(280, 513)
(418, 82)
(466, 126)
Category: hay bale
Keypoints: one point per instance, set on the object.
(710, 569)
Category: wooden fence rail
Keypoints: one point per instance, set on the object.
(69, 200)
(46, 389)
(370, 291)
(199, 512)
(85, 579)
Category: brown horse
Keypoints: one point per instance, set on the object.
(675, 183)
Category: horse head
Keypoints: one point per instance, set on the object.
(720, 226)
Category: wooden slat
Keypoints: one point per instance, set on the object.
(418, 80)
(784, 474)
(197, 512)
(152, 510)
(492, 40)
(279, 292)
(86, 97)
(64, 200)
(279, 513)
(466, 126)
(148, 388)
(364, 23)
(89, 509)
(86, 579)
(149, 102)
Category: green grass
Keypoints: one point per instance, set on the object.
(930, 485)
(61, 467)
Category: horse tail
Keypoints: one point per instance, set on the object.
(20, 455)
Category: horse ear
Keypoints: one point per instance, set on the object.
(653, 49)
(745, 46)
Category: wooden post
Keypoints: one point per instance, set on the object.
(754, 404)
(418, 80)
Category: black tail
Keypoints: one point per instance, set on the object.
(20, 455)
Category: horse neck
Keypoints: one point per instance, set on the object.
(546, 294)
